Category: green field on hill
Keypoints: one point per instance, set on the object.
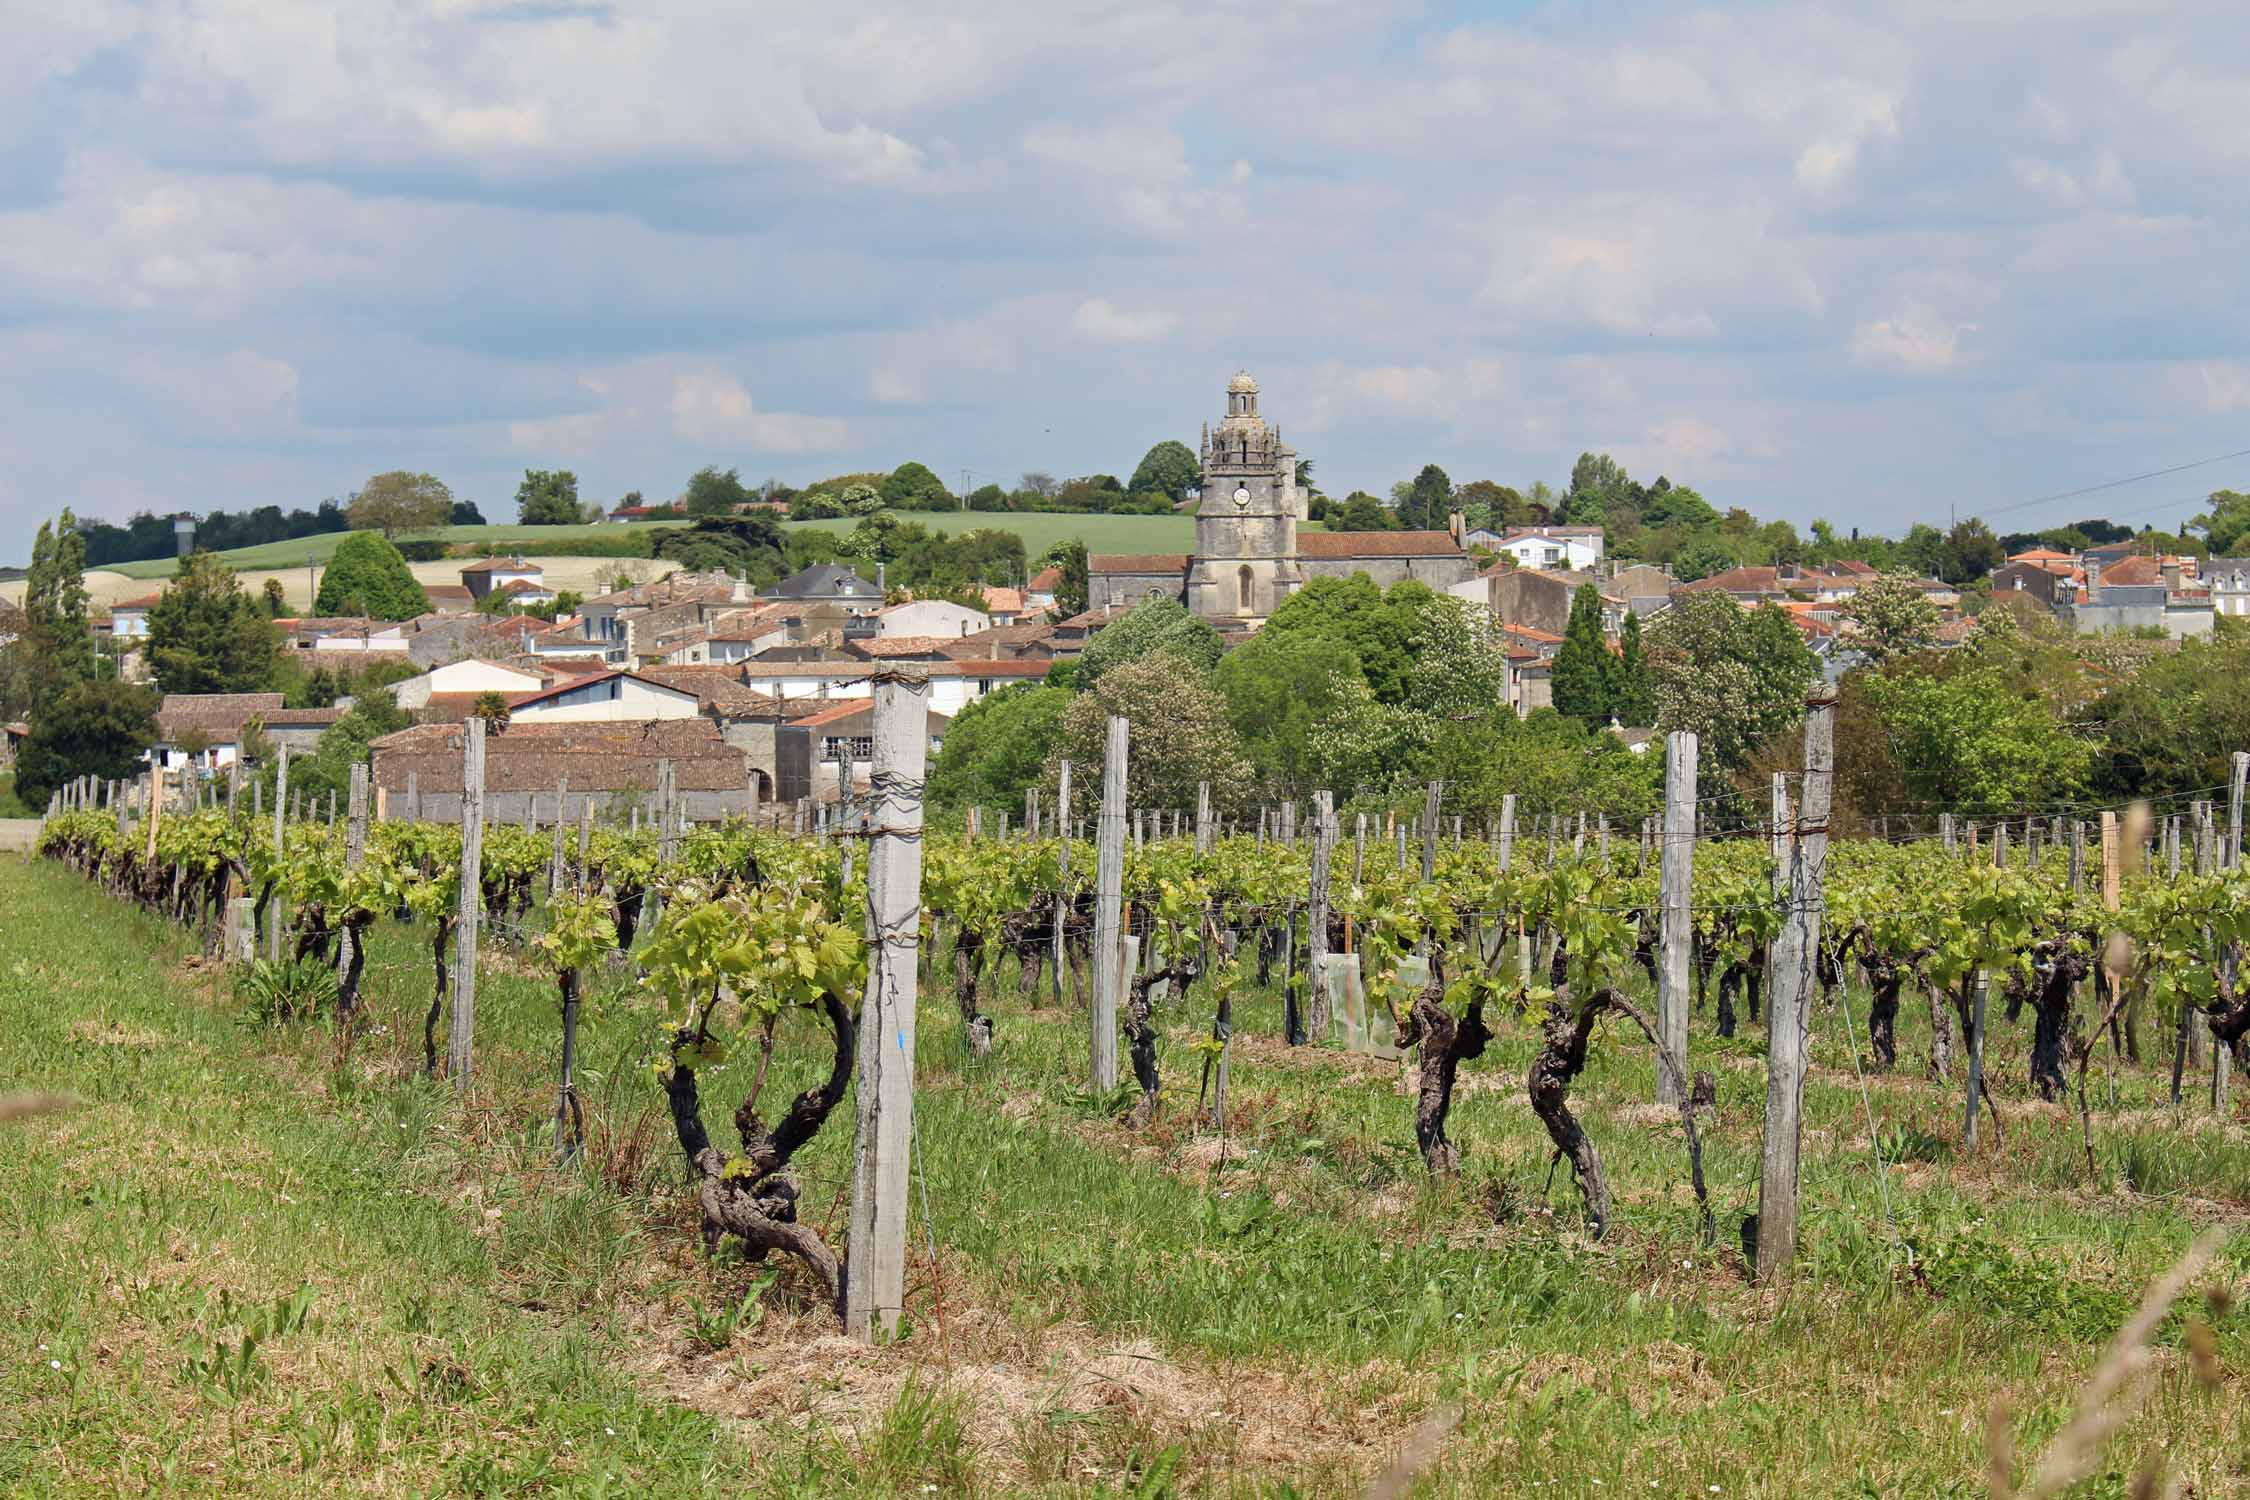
(1039, 532)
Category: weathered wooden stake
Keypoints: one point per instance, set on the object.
(1316, 931)
(1109, 879)
(882, 1152)
(1062, 878)
(460, 1040)
(1790, 974)
(1429, 830)
(1675, 923)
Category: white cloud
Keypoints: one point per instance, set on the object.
(714, 409)
(1104, 322)
(1916, 338)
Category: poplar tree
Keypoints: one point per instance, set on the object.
(1585, 674)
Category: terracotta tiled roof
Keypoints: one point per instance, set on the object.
(2142, 569)
(1045, 581)
(859, 713)
(144, 601)
(1004, 601)
(909, 645)
(1137, 562)
(719, 689)
(219, 716)
(1342, 546)
(596, 756)
(1533, 633)
(2043, 554)
(1741, 581)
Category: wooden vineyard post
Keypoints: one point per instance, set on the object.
(460, 1038)
(1203, 817)
(1062, 877)
(562, 823)
(1980, 994)
(1945, 831)
(1316, 919)
(413, 797)
(2222, 1055)
(355, 851)
(1791, 971)
(1429, 831)
(1031, 812)
(1109, 880)
(585, 837)
(1507, 831)
(280, 823)
(1359, 848)
(234, 787)
(882, 1152)
(1675, 929)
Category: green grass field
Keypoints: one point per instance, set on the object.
(1092, 1310)
(1039, 532)
(274, 555)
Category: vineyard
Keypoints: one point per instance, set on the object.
(1366, 1135)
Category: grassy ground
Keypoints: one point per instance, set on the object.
(12, 806)
(1092, 1310)
(1039, 532)
(282, 556)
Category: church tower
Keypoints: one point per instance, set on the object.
(1246, 524)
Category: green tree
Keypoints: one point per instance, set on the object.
(1180, 737)
(1733, 676)
(275, 601)
(205, 635)
(399, 501)
(1428, 501)
(912, 486)
(1703, 559)
(1966, 737)
(1154, 627)
(1971, 551)
(1894, 618)
(1363, 512)
(988, 497)
(997, 747)
(714, 492)
(90, 729)
(1597, 482)
(1632, 699)
(1585, 674)
(54, 604)
(1549, 763)
(366, 576)
(1281, 691)
(1071, 592)
(2226, 524)
(547, 497)
(1169, 468)
(1460, 662)
(343, 745)
(465, 513)
(1485, 504)
(1677, 505)
(1375, 626)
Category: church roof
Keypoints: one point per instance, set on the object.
(1340, 546)
(1137, 562)
(1243, 383)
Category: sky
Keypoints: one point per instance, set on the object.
(1875, 264)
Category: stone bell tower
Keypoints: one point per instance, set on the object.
(1246, 524)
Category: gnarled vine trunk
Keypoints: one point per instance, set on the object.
(1445, 1041)
(968, 967)
(757, 1204)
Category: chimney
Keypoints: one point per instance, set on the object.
(1453, 525)
(2171, 572)
(995, 644)
(741, 594)
(2093, 577)
(882, 579)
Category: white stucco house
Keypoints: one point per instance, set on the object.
(1576, 548)
(607, 696)
(938, 617)
(466, 676)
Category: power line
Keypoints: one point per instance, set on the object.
(2111, 484)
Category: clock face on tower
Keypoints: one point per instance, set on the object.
(1241, 497)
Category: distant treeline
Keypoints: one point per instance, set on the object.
(146, 538)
